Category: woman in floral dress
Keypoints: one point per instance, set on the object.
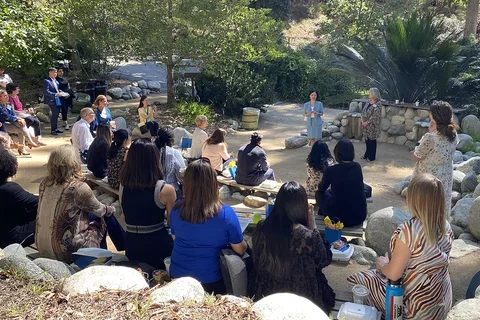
(435, 152)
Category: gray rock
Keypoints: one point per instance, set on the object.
(254, 202)
(468, 309)
(467, 236)
(154, 85)
(135, 95)
(353, 107)
(385, 124)
(57, 269)
(471, 125)
(383, 136)
(25, 267)
(469, 183)
(337, 123)
(474, 218)
(337, 135)
(408, 178)
(295, 142)
(2, 254)
(461, 248)
(304, 133)
(142, 84)
(343, 130)
(96, 278)
(409, 124)
(464, 142)
(470, 153)
(400, 186)
(287, 306)
(325, 133)
(423, 113)
(456, 196)
(397, 130)
(109, 98)
(412, 135)
(411, 145)
(344, 122)
(179, 133)
(364, 255)
(404, 192)
(136, 90)
(466, 157)
(358, 242)
(392, 111)
(126, 96)
(127, 89)
(179, 290)
(400, 140)
(239, 302)
(391, 140)
(409, 114)
(115, 92)
(458, 157)
(42, 117)
(472, 164)
(461, 212)
(15, 249)
(333, 129)
(476, 193)
(380, 227)
(402, 111)
(238, 196)
(457, 231)
(396, 120)
(458, 177)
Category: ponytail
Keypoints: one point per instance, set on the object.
(442, 113)
(119, 138)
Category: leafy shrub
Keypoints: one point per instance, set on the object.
(190, 110)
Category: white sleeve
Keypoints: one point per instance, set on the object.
(86, 138)
(178, 158)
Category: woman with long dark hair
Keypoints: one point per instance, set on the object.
(146, 200)
(317, 162)
(202, 226)
(146, 115)
(116, 156)
(97, 153)
(215, 149)
(171, 160)
(289, 252)
(435, 152)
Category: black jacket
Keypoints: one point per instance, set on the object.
(251, 165)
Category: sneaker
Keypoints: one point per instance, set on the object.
(67, 127)
(54, 133)
(58, 131)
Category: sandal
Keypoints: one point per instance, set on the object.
(31, 145)
(41, 144)
(23, 152)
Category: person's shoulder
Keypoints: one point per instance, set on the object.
(227, 212)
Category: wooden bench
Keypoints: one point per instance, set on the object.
(245, 212)
(232, 183)
(340, 298)
(102, 184)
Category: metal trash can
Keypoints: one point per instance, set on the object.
(100, 87)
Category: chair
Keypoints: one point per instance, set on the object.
(186, 143)
(234, 272)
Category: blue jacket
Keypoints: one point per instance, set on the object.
(49, 91)
(7, 114)
(99, 119)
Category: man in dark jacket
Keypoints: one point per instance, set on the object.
(252, 164)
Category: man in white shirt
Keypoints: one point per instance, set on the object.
(199, 136)
(81, 136)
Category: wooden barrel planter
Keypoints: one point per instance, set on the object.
(250, 118)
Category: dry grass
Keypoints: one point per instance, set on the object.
(303, 33)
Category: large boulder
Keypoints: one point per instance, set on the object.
(337, 135)
(400, 186)
(142, 84)
(287, 306)
(469, 183)
(461, 248)
(24, 266)
(254, 202)
(457, 157)
(468, 309)
(396, 120)
(57, 269)
(456, 196)
(295, 142)
(397, 130)
(472, 164)
(15, 249)
(464, 142)
(409, 124)
(180, 290)
(380, 228)
(154, 85)
(400, 140)
(474, 218)
(364, 255)
(471, 125)
(461, 212)
(333, 129)
(97, 278)
(457, 231)
(423, 113)
(476, 193)
(178, 134)
(409, 114)
(115, 92)
(385, 124)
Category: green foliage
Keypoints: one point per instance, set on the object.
(415, 63)
(190, 110)
(285, 10)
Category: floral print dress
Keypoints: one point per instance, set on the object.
(113, 166)
(372, 113)
(436, 154)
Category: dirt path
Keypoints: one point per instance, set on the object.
(280, 122)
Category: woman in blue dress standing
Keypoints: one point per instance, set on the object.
(313, 115)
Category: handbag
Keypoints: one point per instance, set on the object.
(143, 129)
(332, 235)
(58, 102)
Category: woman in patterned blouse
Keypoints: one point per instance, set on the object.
(116, 156)
(371, 118)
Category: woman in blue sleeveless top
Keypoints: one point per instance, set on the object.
(313, 112)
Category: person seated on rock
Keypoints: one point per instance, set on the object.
(146, 201)
(116, 156)
(146, 116)
(69, 216)
(28, 115)
(252, 165)
(18, 208)
(289, 253)
(103, 114)
(7, 143)
(81, 135)
(199, 136)
(318, 161)
(201, 227)
(171, 160)
(215, 150)
(94, 123)
(345, 199)
(420, 251)
(97, 152)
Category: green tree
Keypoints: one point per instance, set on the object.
(214, 33)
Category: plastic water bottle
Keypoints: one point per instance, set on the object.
(394, 300)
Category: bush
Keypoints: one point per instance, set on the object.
(190, 110)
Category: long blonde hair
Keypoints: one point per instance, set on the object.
(63, 165)
(426, 201)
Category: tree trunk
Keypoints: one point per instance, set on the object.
(170, 91)
(170, 64)
(471, 19)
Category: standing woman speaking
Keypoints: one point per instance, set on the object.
(313, 115)
(371, 118)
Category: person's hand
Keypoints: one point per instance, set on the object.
(1, 124)
(382, 261)
(311, 224)
(21, 122)
(31, 111)
(232, 155)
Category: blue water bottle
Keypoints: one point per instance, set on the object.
(394, 300)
